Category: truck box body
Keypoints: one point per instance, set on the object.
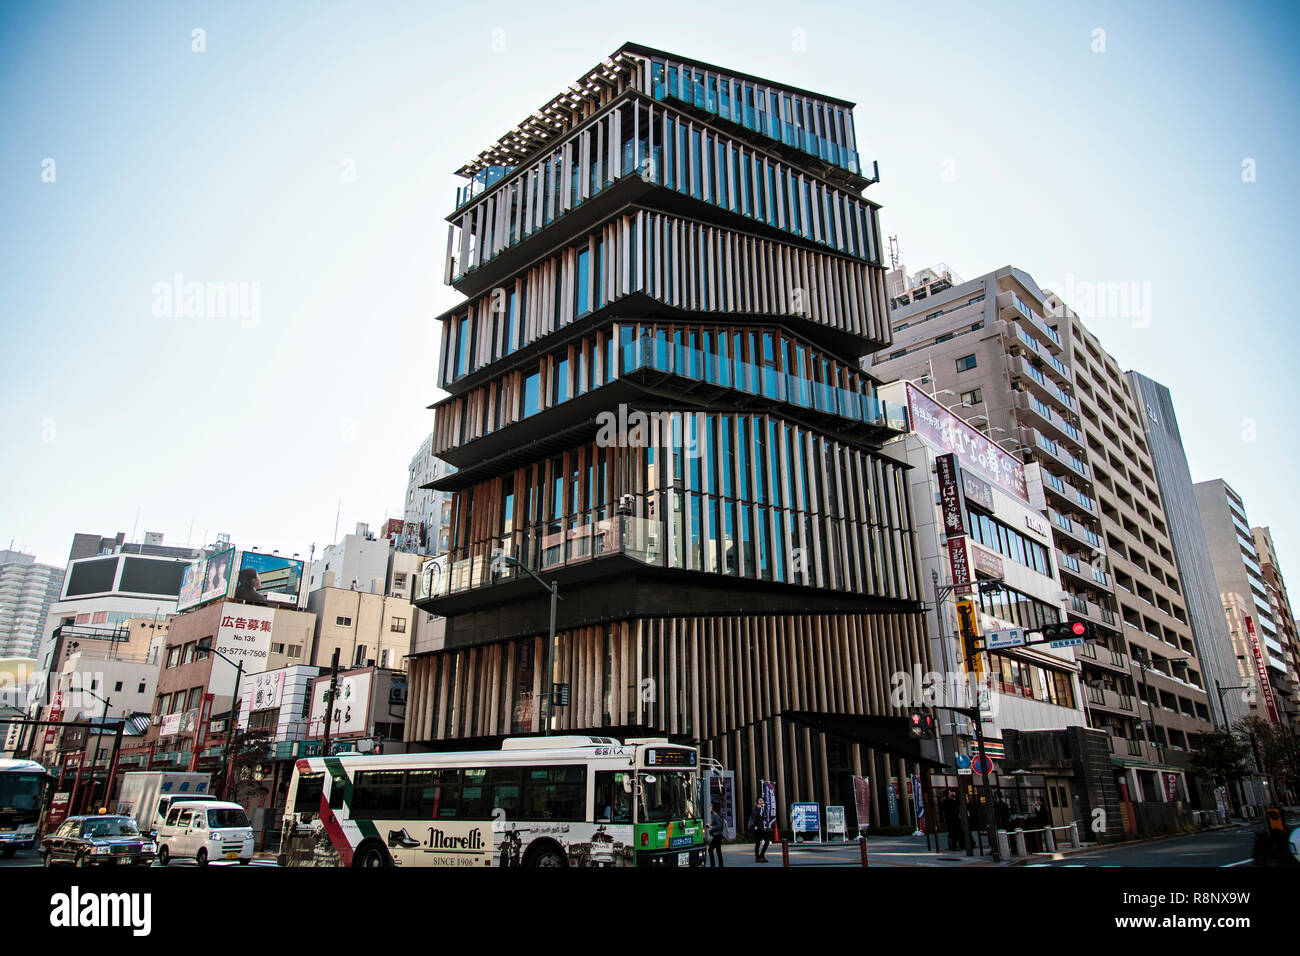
(142, 791)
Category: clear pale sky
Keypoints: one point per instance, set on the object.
(309, 153)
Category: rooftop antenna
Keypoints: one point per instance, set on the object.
(893, 252)
(336, 521)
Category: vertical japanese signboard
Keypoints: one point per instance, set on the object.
(951, 499)
(862, 802)
(1261, 671)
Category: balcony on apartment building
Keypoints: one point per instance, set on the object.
(1010, 306)
(1083, 569)
(1054, 485)
(1112, 700)
(1081, 534)
(1103, 656)
(1033, 412)
(1036, 441)
(1020, 341)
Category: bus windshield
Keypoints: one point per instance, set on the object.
(667, 796)
(20, 791)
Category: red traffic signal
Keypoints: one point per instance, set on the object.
(1079, 629)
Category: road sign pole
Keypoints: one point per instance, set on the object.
(990, 818)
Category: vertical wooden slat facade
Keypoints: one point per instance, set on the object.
(758, 282)
(745, 672)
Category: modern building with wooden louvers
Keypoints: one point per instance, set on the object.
(655, 401)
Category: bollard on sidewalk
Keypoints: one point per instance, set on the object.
(862, 843)
(785, 852)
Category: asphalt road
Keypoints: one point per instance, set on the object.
(29, 858)
(1212, 848)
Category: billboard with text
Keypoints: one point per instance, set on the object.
(268, 579)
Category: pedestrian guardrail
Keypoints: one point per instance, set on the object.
(1044, 839)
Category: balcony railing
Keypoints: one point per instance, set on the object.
(566, 543)
(686, 86)
(766, 381)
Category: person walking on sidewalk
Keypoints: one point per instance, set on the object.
(717, 829)
(952, 820)
(758, 826)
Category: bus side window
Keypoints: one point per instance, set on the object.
(306, 799)
(432, 795)
(622, 797)
(604, 807)
(337, 786)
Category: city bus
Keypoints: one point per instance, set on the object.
(538, 801)
(23, 785)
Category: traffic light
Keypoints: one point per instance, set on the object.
(968, 623)
(1069, 631)
(920, 724)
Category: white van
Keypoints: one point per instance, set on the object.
(205, 831)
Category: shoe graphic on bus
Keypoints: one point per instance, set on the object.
(400, 838)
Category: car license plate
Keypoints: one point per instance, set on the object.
(684, 859)
(126, 859)
(232, 856)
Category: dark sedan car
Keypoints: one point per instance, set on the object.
(98, 841)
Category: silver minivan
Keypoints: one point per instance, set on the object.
(205, 831)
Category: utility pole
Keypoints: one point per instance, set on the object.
(329, 704)
(972, 646)
(232, 728)
(940, 606)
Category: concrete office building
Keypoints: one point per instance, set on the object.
(1191, 549)
(1284, 618)
(1027, 691)
(1245, 596)
(27, 590)
(427, 510)
(188, 672)
(359, 562)
(1020, 365)
(110, 582)
(737, 568)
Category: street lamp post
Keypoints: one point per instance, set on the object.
(551, 655)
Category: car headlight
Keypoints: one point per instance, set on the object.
(100, 850)
(149, 848)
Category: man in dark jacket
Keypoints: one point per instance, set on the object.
(762, 836)
(717, 829)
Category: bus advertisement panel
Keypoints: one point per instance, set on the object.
(561, 801)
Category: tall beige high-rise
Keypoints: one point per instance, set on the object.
(1016, 362)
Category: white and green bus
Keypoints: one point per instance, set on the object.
(538, 801)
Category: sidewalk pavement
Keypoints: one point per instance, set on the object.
(881, 851)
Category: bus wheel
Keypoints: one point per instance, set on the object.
(548, 854)
(370, 855)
